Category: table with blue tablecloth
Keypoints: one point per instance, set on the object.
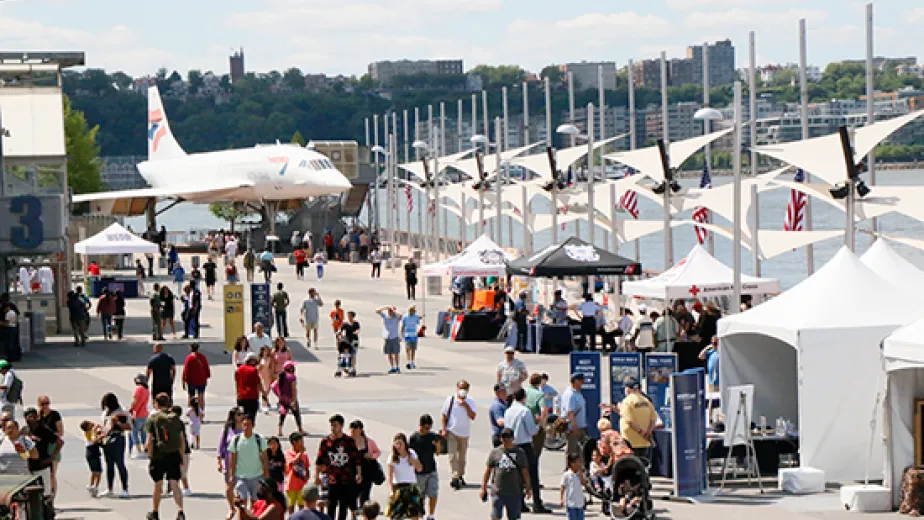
(768, 448)
(556, 339)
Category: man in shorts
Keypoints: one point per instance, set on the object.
(310, 315)
(249, 462)
(165, 446)
(426, 444)
(391, 332)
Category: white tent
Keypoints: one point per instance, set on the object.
(880, 257)
(903, 351)
(697, 275)
(114, 240)
(813, 355)
(481, 258)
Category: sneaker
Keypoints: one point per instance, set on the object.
(152, 516)
(124, 494)
(188, 492)
(391, 370)
(180, 515)
(337, 374)
(410, 366)
(397, 370)
(104, 493)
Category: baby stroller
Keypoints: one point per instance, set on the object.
(631, 489)
(345, 365)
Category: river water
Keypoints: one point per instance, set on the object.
(789, 267)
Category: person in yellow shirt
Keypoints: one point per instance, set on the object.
(637, 419)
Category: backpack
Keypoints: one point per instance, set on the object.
(237, 438)
(14, 392)
(168, 432)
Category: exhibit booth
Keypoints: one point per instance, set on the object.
(903, 354)
(114, 240)
(813, 355)
(698, 275)
(887, 263)
(482, 258)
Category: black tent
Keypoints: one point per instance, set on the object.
(573, 258)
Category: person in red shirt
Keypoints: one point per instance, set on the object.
(93, 269)
(196, 374)
(301, 260)
(249, 386)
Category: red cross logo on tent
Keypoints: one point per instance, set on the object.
(694, 291)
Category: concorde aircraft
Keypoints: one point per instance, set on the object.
(264, 173)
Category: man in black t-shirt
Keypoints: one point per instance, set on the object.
(48, 445)
(161, 371)
(427, 444)
(410, 278)
(340, 461)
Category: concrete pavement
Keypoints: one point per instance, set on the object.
(75, 379)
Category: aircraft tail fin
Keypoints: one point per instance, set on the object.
(161, 143)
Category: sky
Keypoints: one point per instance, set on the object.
(344, 36)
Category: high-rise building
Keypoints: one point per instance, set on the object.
(647, 74)
(237, 65)
(680, 71)
(721, 63)
(586, 74)
(384, 72)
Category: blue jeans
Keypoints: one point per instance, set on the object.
(320, 271)
(282, 324)
(107, 325)
(114, 452)
(575, 513)
(138, 436)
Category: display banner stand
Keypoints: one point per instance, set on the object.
(742, 417)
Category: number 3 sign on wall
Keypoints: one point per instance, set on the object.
(30, 233)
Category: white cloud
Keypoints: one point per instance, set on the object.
(914, 16)
(719, 4)
(621, 24)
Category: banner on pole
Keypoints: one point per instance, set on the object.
(588, 363)
(234, 314)
(260, 307)
(687, 417)
(658, 369)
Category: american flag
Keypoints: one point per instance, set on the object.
(410, 197)
(701, 213)
(795, 211)
(629, 200)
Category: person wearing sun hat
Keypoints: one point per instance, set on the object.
(285, 387)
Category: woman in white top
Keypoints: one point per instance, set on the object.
(403, 465)
(241, 349)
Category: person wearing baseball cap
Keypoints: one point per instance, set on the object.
(311, 493)
(574, 408)
(637, 419)
(511, 372)
(507, 470)
(496, 412)
(249, 386)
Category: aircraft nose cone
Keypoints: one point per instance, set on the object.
(337, 182)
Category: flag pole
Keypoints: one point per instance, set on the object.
(803, 98)
(755, 203)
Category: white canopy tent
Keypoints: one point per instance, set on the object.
(114, 240)
(813, 355)
(903, 353)
(481, 258)
(699, 274)
(887, 263)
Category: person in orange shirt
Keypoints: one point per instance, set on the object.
(336, 318)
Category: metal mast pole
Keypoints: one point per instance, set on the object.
(870, 100)
(498, 128)
(378, 173)
(804, 100)
(417, 194)
(548, 143)
(755, 202)
(474, 116)
(591, 211)
(632, 132)
(736, 282)
(668, 234)
(526, 140)
(459, 126)
(707, 127)
(571, 102)
(484, 112)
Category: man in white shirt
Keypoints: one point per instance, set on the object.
(259, 339)
(666, 332)
(511, 372)
(7, 376)
(310, 315)
(457, 414)
(644, 331)
(588, 310)
(521, 420)
(230, 250)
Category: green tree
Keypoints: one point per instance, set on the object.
(554, 73)
(194, 78)
(82, 152)
(294, 79)
(230, 211)
(298, 139)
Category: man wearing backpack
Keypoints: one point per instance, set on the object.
(10, 388)
(249, 462)
(165, 447)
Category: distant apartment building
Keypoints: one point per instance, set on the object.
(680, 72)
(721, 63)
(647, 74)
(615, 122)
(770, 73)
(121, 172)
(909, 70)
(384, 72)
(586, 74)
(237, 65)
